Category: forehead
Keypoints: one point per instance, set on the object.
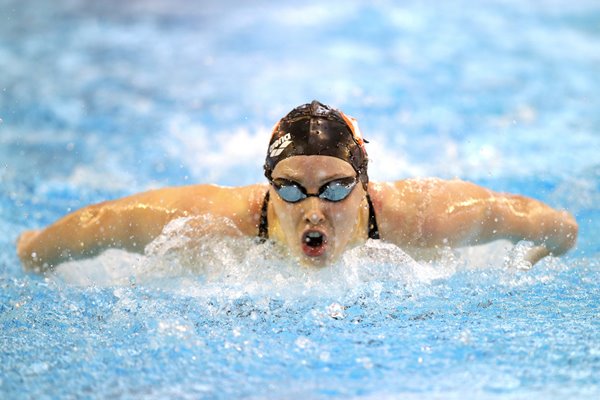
(313, 167)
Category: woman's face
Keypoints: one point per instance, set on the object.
(316, 230)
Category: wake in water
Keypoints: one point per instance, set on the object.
(201, 308)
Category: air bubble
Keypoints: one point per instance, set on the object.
(336, 311)
(303, 342)
(366, 362)
(465, 336)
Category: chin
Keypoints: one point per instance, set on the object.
(314, 262)
(320, 261)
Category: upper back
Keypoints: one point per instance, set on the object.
(241, 205)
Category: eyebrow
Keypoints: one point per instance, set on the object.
(294, 176)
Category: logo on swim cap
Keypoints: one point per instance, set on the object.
(279, 145)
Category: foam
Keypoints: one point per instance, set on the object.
(187, 259)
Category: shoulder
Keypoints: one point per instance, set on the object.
(242, 204)
(417, 212)
(189, 196)
(387, 194)
(403, 207)
(419, 189)
(396, 208)
(193, 196)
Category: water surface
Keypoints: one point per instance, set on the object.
(99, 101)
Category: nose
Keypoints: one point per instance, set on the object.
(313, 213)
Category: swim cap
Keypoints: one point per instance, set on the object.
(317, 129)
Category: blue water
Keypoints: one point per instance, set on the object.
(103, 99)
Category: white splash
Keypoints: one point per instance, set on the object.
(187, 259)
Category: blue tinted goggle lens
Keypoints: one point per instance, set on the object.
(293, 192)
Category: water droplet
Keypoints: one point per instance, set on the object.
(37, 368)
(366, 362)
(303, 342)
(465, 336)
(336, 311)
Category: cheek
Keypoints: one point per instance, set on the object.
(345, 215)
(288, 214)
(341, 217)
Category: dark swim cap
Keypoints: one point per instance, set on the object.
(317, 129)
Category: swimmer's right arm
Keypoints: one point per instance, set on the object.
(132, 222)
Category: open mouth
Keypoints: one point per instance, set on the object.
(314, 243)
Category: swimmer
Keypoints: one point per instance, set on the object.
(318, 203)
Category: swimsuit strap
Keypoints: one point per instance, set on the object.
(373, 229)
(263, 226)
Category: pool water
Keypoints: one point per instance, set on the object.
(99, 100)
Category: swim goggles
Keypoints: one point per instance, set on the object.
(293, 192)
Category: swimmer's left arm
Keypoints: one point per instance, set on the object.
(432, 212)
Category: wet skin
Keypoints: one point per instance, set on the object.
(413, 213)
(341, 224)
